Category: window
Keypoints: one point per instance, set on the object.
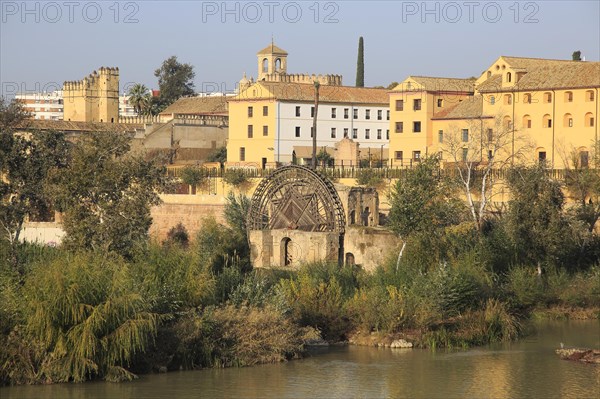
(589, 95)
(333, 113)
(265, 130)
(387, 117)
(507, 99)
(526, 121)
(333, 133)
(367, 134)
(568, 96)
(568, 120)
(416, 155)
(345, 132)
(346, 110)
(527, 98)
(416, 127)
(242, 154)
(250, 131)
(398, 155)
(547, 97)
(379, 114)
(542, 156)
(387, 134)
(490, 154)
(312, 112)
(492, 100)
(399, 105)
(546, 121)
(465, 154)
(378, 134)
(584, 159)
(297, 111)
(297, 131)
(266, 110)
(589, 120)
(399, 127)
(312, 131)
(416, 104)
(441, 136)
(508, 77)
(440, 102)
(465, 135)
(368, 114)
(250, 112)
(355, 113)
(354, 133)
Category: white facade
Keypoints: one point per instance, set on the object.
(366, 124)
(45, 105)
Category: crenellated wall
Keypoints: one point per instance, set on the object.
(94, 98)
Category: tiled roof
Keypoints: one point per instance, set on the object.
(467, 109)
(272, 49)
(440, 84)
(303, 92)
(70, 126)
(547, 74)
(216, 105)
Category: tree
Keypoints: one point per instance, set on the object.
(583, 184)
(106, 193)
(392, 85)
(475, 150)
(323, 157)
(576, 55)
(218, 155)
(25, 160)
(535, 222)
(139, 97)
(421, 202)
(360, 64)
(175, 80)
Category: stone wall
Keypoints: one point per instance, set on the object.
(369, 246)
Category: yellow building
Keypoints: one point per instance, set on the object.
(95, 98)
(413, 103)
(549, 105)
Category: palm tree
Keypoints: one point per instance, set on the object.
(139, 97)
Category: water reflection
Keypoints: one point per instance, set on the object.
(528, 368)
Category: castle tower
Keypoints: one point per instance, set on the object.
(95, 98)
(271, 60)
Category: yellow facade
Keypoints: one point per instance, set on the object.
(95, 98)
(412, 106)
(550, 106)
(251, 132)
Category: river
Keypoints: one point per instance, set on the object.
(528, 368)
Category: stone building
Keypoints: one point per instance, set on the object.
(95, 98)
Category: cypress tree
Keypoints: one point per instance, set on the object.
(360, 65)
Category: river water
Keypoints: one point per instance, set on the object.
(528, 368)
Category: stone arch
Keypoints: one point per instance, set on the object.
(277, 64)
(568, 120)
(265, 65)
(589, 119)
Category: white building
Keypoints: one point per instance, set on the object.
(45, 105)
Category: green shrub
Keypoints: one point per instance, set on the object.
(85, 314)
(368, 177)
(525, 288)
(235, 177)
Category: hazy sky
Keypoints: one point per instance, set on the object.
(44, 43)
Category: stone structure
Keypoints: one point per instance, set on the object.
(295, 216)
(95, 98)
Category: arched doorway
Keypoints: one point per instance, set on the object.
(285, 252)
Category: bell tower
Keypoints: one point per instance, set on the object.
(272, 60)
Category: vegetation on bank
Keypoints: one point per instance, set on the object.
(110, 304)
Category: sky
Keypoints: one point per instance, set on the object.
(43, 44)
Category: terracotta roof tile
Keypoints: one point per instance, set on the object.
(216, 105)
(70, 126)
(272, 49)
(303, 92)
(440, 84)
(467, 109)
